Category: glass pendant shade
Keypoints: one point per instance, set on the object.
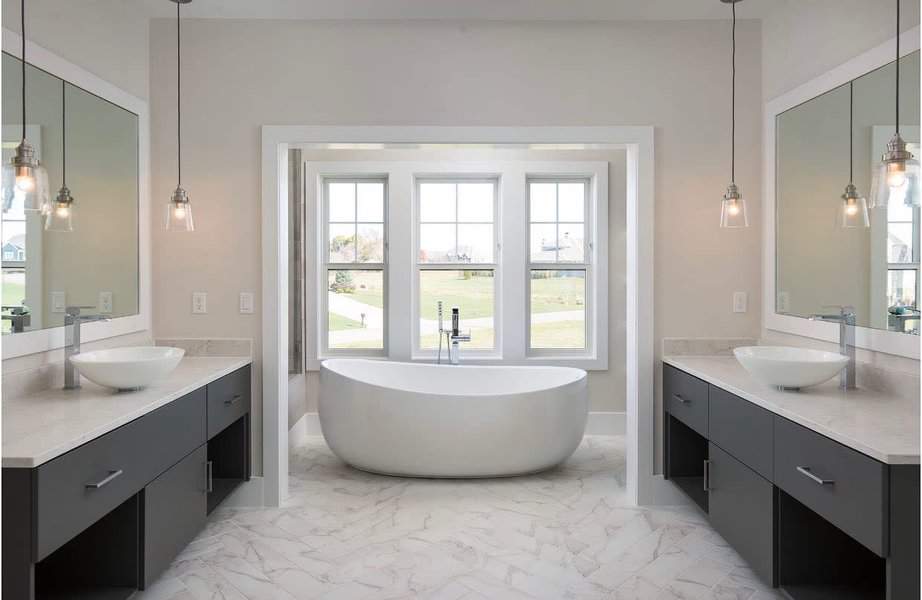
(853, 210)
(179, 212)
(61, 212)
(733, 209)
(25, 181)
(896, 179)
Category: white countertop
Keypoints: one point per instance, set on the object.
(884, 426)
(45, 425)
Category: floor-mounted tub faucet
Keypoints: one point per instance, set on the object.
(846, 320)
(453, 336)
(72, 321)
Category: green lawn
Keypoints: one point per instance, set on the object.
(561, 334)
(340, 323)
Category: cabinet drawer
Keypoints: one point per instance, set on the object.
(742, 429)
(686, 398)
(119, 463)
(741, 509)
(843, 486)
(228, 400)
(174, 513)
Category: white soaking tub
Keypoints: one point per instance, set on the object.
(423, 420)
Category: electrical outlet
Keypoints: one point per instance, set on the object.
(246, 303)
(784, 302)
(58, 302)
(740, 302)
(105, 303)
(199, 303)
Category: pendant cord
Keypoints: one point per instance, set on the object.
(22, 22)
(733, 97)
(897, 67)
(851, 132)
(178, 108)
(64, 133)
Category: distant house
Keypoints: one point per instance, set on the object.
(12, 251)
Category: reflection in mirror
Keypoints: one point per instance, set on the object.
(819, 263)
(96, 264)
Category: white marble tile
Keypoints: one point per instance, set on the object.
(568, 533)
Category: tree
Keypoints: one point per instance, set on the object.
(342, 283)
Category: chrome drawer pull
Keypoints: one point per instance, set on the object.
(105, 481)
(807, 473)
(234, 400)
(209, 476)
(707, 475)
(680, 398)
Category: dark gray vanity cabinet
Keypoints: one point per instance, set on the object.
(818, 519)
(107, 517)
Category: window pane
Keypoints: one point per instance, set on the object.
(570, 242)
(571, 201)
(437, 202)
(370, 243)
(475, 202)
(899, 242)
(543, 198)
(901, 288)
(355, 307)
(437, 243)
(899, 211)
(342, 242)
(370, 202)
(543, 243)
(475, 243)
(341, 202)
(471, 291)
(558, 309)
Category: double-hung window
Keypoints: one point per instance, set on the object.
(559, 265)
(903, 260)
(456, 260)
(354, 265)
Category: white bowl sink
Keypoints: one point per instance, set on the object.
(128, 368)
(787, 367)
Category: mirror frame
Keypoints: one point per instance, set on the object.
(52, 338)
(878, 340)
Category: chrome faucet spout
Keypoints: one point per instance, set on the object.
(846, 320)
(72, 321)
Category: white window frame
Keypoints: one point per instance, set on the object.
(495, 352)
(511, 296)
(325, 266)
(589, 230)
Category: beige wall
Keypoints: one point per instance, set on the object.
(802, 39)
(243, 74)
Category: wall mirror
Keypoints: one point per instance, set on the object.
(96, 265)
(818, 262)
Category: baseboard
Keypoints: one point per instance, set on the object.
(248, 494)
(598, 423)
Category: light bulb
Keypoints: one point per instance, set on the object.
(896, 174)
(25, 182)
(63, 211)
(179, 212)
(733, 209)
(851, 209)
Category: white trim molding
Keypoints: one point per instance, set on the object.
(42, 340)
(871, 339)
(637, 141)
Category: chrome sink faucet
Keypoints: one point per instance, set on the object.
(846, 320)
(72, 321)
(453, 336)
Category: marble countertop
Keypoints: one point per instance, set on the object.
(884, 426)
(42, 426)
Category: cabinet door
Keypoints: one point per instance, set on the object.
(174, 513)
(742, 510)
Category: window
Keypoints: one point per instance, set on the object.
(559, 264)
(902, 262)
(456, 258)
(354, 265)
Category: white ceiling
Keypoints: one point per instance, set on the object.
(518, 10)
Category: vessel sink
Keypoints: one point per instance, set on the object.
(787, 367)
(128, 368)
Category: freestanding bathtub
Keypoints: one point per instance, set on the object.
(423, 420)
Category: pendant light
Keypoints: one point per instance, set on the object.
(733, 206)
(60, 213)
(24, 176)
(853, 213)
(179, 209)
(898, 173)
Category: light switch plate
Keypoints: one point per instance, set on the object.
(740, 302)
(105, 303)
(246, 303)
(58, 302)
(199, 303)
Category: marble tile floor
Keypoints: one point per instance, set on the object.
(563, 534)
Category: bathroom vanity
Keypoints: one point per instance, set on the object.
(817, 490)
(101, 490)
